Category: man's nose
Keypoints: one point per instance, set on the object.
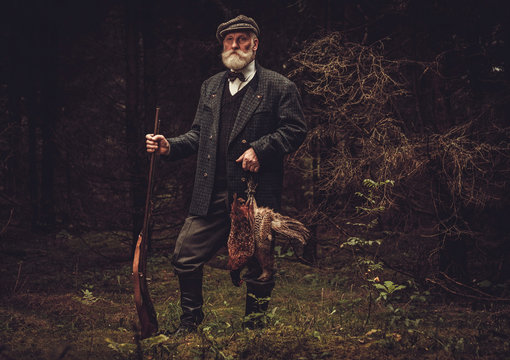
(235, 45)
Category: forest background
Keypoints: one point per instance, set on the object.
(405, 167)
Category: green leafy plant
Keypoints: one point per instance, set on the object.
(265, 318)
(88, 297)
(280, 254)
(387, 289)
(121, 348)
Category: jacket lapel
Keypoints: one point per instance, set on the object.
(216, 105)
(251, 101)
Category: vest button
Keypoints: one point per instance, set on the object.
(208, 156)
(210, 137)
(243, 141)
(205, 174)
(243, 179)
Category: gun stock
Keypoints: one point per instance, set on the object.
(143, 302)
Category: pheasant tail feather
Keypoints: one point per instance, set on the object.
(290, 227)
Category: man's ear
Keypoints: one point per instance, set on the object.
(255, 44)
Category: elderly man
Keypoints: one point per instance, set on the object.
(247, 119)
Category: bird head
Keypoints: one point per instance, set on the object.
(242, 210)
(239, 207)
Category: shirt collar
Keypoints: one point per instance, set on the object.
(249, 70)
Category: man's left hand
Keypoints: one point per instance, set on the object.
(249, 160)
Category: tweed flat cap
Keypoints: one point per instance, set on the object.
(238, 23)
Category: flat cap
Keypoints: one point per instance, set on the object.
(239, 23)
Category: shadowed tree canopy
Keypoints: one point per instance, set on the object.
(413, 92)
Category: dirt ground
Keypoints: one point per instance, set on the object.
(70, 297)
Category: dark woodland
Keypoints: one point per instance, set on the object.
(403, 179)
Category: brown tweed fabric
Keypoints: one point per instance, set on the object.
(238, 23)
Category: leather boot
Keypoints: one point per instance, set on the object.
(258, 295)
(191, 303)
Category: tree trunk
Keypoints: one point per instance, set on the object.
(13, 126)
(49, 113)
(310, 249)
(150, 76)
(133, 126)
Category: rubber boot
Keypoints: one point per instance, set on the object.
(191, 303)
(258, 295)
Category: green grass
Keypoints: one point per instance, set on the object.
(71, 298)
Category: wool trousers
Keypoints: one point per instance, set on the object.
(202, 236)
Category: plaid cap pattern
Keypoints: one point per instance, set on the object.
(238, 23)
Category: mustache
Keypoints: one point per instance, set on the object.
(238, 52)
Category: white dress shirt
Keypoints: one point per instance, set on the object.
(248, 72)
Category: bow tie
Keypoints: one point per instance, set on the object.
(233, 75)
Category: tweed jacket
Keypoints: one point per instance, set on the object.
(270, 119)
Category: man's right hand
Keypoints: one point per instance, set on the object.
(157, 143)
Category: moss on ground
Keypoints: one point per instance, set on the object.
(70, 297)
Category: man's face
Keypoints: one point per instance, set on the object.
(239, 49)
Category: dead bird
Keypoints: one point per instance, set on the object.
(251, 235)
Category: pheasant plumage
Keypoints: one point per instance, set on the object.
(241, 246)
(251, 234)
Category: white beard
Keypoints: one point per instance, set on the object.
(237, 59)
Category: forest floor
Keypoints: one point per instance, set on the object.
(70, 297)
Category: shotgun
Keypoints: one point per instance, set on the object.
(144, 307)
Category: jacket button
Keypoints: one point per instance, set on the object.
(208, 156)
(210, 137)
(205, 174)
(243, 141)
(243, 179)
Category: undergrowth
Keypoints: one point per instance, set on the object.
(73, 303)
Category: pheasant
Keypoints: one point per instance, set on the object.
(251, 235)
